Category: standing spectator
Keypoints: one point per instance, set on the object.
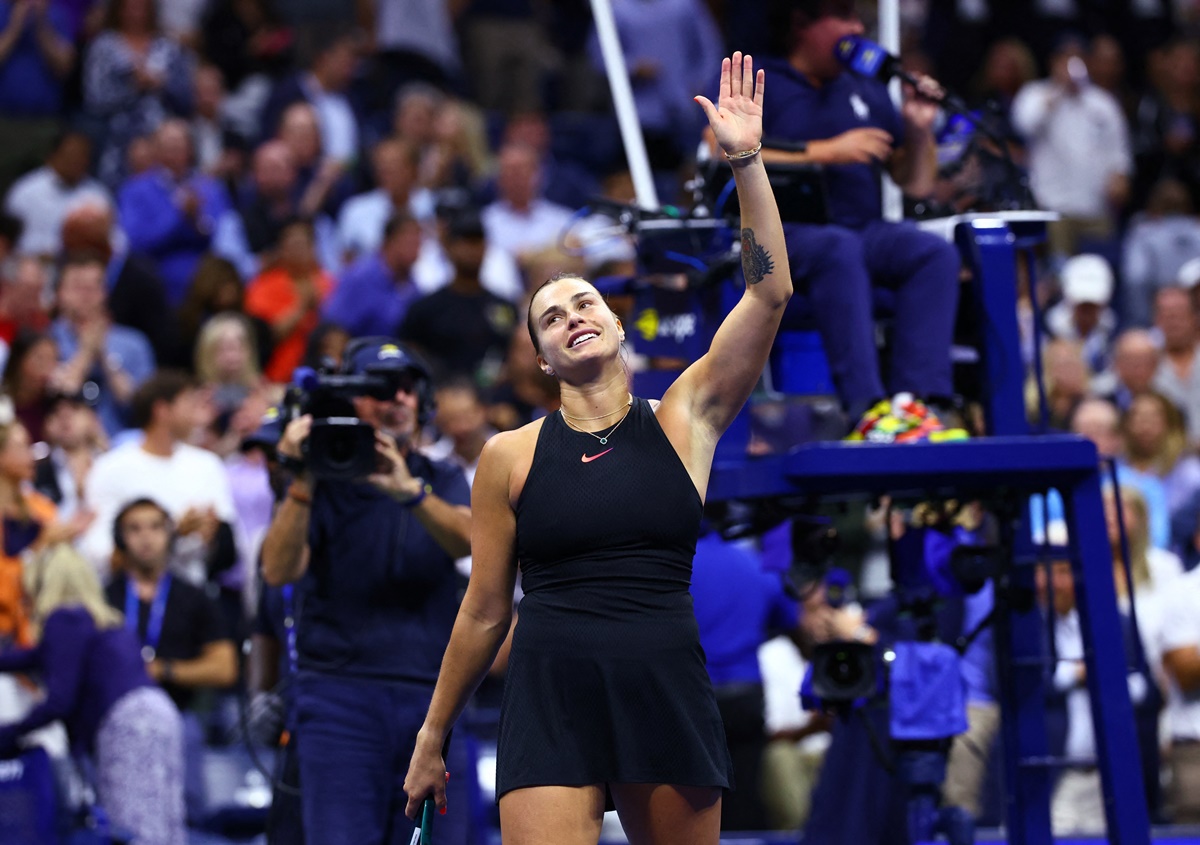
(1008, 67)
(25, 295)
(1159, 243)
(250, 45)
(363, 217)
(1181, 662)
(288, 296)
(190, 483)
(102, 360)
(1136, 358)
(227, 367)
(96, 683)
(1166, 123)
(208, 124)
(520, 222)
(36, 57)
(1084, 315)
(375, 292)
(1079, 154)
(1178, 375)
(171, 211)
(738, 607)
(506, 53)
(29, 379)
(137, 297)
(415, 41)
(133, 78)
(75, 439)
(669, 46)
(41, 198)
(463, 327)
(248, 234)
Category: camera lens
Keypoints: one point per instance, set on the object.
(844, 670)
(341, 450)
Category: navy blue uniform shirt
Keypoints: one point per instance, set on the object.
(379, 595)
(794, 110)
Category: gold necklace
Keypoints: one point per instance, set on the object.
(603, 440)
(628, 402)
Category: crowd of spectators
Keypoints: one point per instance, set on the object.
(199, 197)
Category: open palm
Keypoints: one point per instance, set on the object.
(736, 119)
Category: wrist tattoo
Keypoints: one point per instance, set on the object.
(756, 261)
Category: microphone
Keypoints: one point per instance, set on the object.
(866, 58)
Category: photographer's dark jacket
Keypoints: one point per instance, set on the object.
(380, 594)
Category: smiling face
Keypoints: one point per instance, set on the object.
(570, 324)
(396, 416)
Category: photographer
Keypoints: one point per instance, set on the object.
(373, 560)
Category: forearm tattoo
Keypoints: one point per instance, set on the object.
(756, 261)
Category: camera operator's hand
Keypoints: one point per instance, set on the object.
(294, 435)
(393, 477)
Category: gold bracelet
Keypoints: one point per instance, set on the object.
(744, 153)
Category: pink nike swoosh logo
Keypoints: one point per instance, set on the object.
(587, 459)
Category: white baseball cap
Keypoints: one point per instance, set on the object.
(1087, 278)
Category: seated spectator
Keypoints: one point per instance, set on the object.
(1080, 161)
(520, 221)
(29, 379)
(104, 361)
(457, 158)
(462, 421)
(248, 43)
(37, 58)
(190, 483)
(288, 297)
(41, 198)
(137, 297)
(75, 439)
(208, 123)
(1099, 421)
(1166, 126)
(248, 234)
(326, 346)
(323, 184)
(1084, 315)
(1181, 663)
(1159, 243)
(524, 391)
(23, 297)
(227, 367)
(185, 642)
(1135, 361)
(96, 684)
(1155, 443)
(374, 293)
(323, 85)
(170, 212)
(1066, 381)
(217, 288)
(29, 518)
(462, 327)
(1178, 376)
(362, 221)
(133, 77)
(1077, 803)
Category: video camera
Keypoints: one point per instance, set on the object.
(341, 446)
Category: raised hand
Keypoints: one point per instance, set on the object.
(736, 119)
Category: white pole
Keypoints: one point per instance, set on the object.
(622, 95)
(889, 39)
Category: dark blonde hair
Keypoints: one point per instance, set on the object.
(1174, 441)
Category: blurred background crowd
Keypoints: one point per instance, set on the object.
(200, 196)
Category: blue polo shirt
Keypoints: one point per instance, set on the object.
(736, 603)
(795, 110)
(380, 594)
(28, 87)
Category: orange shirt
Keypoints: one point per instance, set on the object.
(14, 615)
(271, 295)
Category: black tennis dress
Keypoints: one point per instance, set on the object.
(606, 680)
